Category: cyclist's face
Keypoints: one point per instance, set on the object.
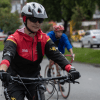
(34, 26)
(58, 34)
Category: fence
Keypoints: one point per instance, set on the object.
(2, 38)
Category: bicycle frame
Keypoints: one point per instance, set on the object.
(39, 97)
(6, 94)
(8, 98)
(38, 93)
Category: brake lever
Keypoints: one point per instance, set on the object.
(76, 82)
(72, 81)
(62, 81)
(12, 78)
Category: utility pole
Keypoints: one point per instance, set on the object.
(23, 3)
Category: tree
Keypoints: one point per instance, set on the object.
(98, 3)
(81, 12)
(8, 21)
(5, 6)
(78, 16)
(62, 9)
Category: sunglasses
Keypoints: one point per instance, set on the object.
(33, 19)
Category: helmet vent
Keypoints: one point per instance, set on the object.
(41, 6)
(29, 9)
(39, 11)
(34, 5)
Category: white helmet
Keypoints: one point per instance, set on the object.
(34, 9)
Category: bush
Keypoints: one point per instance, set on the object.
(10, 22)
(45, 27)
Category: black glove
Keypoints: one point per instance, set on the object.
(74, 74)
(5, 77)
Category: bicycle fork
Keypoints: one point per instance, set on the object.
(38, 94)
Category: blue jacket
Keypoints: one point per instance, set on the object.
(63, 41)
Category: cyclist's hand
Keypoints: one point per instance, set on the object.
(74, 74)
(73, 56)
(5, 77)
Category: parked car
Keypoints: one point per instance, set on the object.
(91, 37)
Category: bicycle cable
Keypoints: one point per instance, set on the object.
(54, 88)
(24, 86)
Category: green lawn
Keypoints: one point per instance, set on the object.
(86, 55)
(1, 45)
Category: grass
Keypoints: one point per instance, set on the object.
(1, 45)
(86, 55)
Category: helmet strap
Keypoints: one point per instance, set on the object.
(25, 23)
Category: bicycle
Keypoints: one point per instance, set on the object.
(39, 84)
(63, 88)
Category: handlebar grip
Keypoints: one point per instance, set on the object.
(62, 82)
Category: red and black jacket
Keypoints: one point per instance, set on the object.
(24, 54)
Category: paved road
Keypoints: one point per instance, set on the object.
(89, 87)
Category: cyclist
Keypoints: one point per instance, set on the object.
(61, 41)
(8, 33)
(24, 50)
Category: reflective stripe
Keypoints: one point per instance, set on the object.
(48, 39)
(12, 41)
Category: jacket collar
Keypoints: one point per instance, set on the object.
(27, 37)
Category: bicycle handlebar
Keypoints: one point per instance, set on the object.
(72, 58)
(39, 79)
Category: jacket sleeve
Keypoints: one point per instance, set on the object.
(66, 42)
(9, 50)
(54, 54)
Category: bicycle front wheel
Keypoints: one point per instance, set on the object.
(49, 87)
(64, 88)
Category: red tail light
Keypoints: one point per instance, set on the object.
(93, 37)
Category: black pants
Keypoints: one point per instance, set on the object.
(18, 92)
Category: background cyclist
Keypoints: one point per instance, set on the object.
(24, 51)
(8, 33)
(61, 41)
